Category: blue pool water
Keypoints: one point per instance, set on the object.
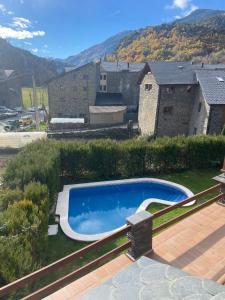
(99, 209)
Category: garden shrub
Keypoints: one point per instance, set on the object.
(8, 196)
(132, 159)
(103, 158)
(73, 158)
(23, 239)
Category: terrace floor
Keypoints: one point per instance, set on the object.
(195, 245)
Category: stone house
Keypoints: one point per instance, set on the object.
(115, 84)
(181, 98)
(10, 88)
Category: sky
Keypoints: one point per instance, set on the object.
(60, 28)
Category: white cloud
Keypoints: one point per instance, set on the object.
(7, 32)
(35, 50)
(5, 11)
(182, 4)
(21, 23)
(186, 7)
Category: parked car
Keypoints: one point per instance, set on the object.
(12, 125)
(19, 109)
(32, 109)
(26, 121)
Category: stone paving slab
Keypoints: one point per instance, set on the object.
(147, 279)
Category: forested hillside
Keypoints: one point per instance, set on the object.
(198, 41)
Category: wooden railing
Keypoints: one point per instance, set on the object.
(55, 266)
(190, 212)
(52, 287)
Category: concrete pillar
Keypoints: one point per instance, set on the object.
(221, 179)
(140, 234)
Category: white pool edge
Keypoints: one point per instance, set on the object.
(62, 207)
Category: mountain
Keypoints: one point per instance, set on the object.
(97, 51)
(199, 37)
(26, 63)
(200, 15)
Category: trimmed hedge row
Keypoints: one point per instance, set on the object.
(46, 161)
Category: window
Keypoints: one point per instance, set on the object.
(189, 88)
(103, 88)
(103, 77)
(61, 87)
(75, 88)
(170, 90)
(85, 76)
(195, 131)
(199, 106)
(84, 88)
(81, 115)
(168, 110)
(148, 87)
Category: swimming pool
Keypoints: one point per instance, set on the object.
(91, 211)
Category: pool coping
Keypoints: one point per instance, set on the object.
(62, 207)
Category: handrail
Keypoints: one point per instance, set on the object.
(52, 287)
(186, 201)
(190, 212)
(7, 289)
(60, 263)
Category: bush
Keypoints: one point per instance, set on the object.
(8, 196)
(133, 158)
(23, 239)
(103, 158)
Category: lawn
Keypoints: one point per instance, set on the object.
(27, 96)
(197, 180)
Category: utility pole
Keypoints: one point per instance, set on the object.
(37, 117)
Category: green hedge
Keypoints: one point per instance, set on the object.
(46, 161)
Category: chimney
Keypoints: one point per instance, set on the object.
(202, 64)
(128, 65)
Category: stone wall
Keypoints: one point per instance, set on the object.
(216, 119)
(175, 108)
(10, 93)
(200, 114)
(124, 82)
(148, 102)
(71, 94)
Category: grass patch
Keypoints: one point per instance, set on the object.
(28, 99)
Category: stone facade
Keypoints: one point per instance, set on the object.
(148, 104)
(200, 114)
(71, 94)
(124, 82)
(174, 110)
(10, 92)
(178, 108)
(216, 119)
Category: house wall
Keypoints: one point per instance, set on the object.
(199, 119)
(175, 109)
(107, 118)
(216, 119)
(148, 101)
(10, 92)
(124, 82)
(71, 94)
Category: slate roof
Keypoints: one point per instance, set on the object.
(121, 66)
(213, 90)
(106, 109)
(173, 72)
(152, 280)
(106, 99)
(178, 72)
